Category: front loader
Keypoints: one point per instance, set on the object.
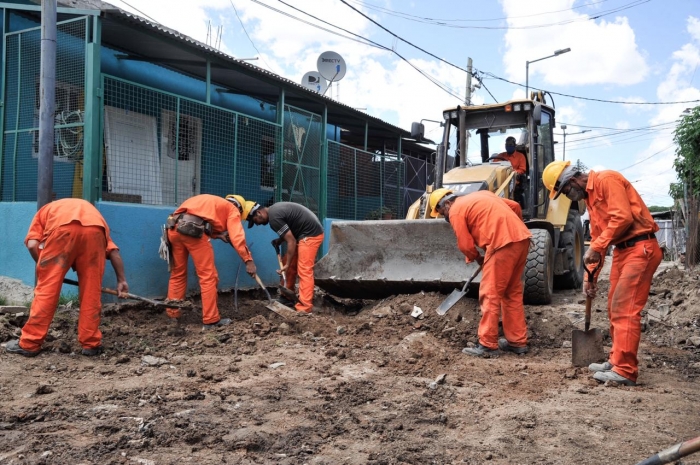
(375, 259)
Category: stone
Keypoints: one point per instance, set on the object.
(566, 345)
(417, 312)
(694, 340)
(340, 330)
(150, 360)
(276, 365)
(382, 312)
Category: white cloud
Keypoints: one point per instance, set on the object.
(602, 52)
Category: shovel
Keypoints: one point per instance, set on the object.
(155, 303)
(456, 295)
(274, 306)
(587, 345)
(286, 292)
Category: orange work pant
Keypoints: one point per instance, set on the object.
(83, 248)
(203, 257)
(501, 294)
(303, 266)
(630, 281)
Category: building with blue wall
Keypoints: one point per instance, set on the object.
(147, 117)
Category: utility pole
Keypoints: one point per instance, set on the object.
(47, 105)
(467, 102)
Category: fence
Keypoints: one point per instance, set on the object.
(20, 116)
(692, 252)
(363, 185)
(161, 149)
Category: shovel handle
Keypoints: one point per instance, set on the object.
(587, 319)
(105, 290)
(267, 293)
(471, 278)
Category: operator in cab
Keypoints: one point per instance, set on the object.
(517, 159)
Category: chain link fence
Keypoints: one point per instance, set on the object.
(161, 149)
(20, 141)
(363, 185)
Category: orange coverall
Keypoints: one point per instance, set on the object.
(222, 215)
(617, 214)
(517, 160)
(485, 220)
(302, 265)
(74, 234)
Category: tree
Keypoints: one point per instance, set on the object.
(687, 162)
(581, 166)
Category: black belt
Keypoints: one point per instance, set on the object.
(634, 240)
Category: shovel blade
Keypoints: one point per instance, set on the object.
(451, 299)
(281, 309)
(288, 294)
(586, 347)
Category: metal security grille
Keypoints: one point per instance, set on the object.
(301, 161)
(363, 185)
(161, 148)
(20, 141)
(419, 174)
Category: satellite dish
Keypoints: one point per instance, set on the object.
(314, 81)
(331, 66)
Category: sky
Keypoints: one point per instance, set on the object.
(643, 55)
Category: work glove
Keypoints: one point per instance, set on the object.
(164, 249)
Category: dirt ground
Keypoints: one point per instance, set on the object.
(357, 382)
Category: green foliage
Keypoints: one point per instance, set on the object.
(3, 300)
(581, 166)
(380, 213)
(658, 208)
(64, 299)
(687, 163)
(675, 190)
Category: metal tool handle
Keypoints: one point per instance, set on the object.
(471, 278)
(279, 262)
(267, 293)
(589, 301)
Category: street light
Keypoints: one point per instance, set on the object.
(527, 67)
(563, 128)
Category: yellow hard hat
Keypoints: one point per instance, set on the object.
(551, 177)
(237, 200)
(249, 209)
(435, 198)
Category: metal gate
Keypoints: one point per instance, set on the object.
(301, 159)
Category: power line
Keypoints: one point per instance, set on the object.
(587, 98)
(247, 35)
(616, 129)
(406, 15)
(650, 156)
(443, 23)
(442, 86)
(131, 6)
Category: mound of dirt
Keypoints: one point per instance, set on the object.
(14, 291)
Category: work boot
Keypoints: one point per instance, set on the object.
(595, 367)
(13, 347)
(221, 322)
(610, 375)
(93, 352)
(503, 344)
(480, 351)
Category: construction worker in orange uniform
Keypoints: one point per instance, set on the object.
(63, 234)
(191, 228)
(302, 231)
(482, 219)
(618, 217)
(517, 159)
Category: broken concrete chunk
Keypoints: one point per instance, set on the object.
(417, 312)
(276, 365)
(151, 361)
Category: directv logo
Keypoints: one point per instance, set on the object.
(312, 79)
(330, 60)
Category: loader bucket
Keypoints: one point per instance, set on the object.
(376, 259)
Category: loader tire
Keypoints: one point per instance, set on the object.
(539, 269)
(572, 240)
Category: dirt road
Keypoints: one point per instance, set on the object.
(347, 385)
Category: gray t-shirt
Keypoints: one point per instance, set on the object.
(290, 216)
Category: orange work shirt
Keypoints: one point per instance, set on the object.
(617, 212)
(65, 211)
(485, 220)
(517, 160)
(222, 215)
